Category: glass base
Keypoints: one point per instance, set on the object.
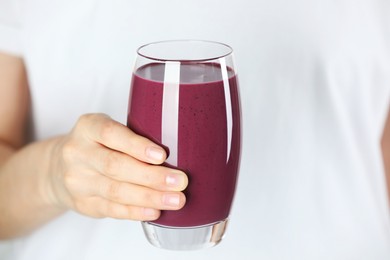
(186, 238)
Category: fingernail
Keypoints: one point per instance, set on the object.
(177, 181)
(172, 200)
(154, 153)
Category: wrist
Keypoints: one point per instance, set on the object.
(49, 174)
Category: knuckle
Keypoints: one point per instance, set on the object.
(136, 140)
(88, 207)
(153, 199)
(86, 118)
(135, 214)
(127, 212)
(122, 212)
(83, 121)
(69, 151)
(113, 191)
(111, 163)
(112, 210)
(107, 130)
(86, 121)
(148, 179)
(154, 176)
(69, 179)
(146, 198)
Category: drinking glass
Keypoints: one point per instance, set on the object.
(184, 96)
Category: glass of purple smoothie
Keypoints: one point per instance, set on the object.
(184, 96)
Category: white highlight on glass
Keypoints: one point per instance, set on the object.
(229, 116)
(170, 110)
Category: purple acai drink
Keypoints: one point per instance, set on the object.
(208, 135)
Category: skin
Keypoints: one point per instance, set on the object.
(100, 169)
(385, 145)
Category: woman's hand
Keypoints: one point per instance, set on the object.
(103, 169)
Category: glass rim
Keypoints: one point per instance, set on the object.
(227, 50)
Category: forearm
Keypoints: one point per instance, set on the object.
(386, 160)
(23, 200)
(22, 168)
(385, 145)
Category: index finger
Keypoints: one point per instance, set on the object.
(116, 136)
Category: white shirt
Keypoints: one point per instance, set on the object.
(315, 86)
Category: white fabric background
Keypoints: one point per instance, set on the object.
(315, 82)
